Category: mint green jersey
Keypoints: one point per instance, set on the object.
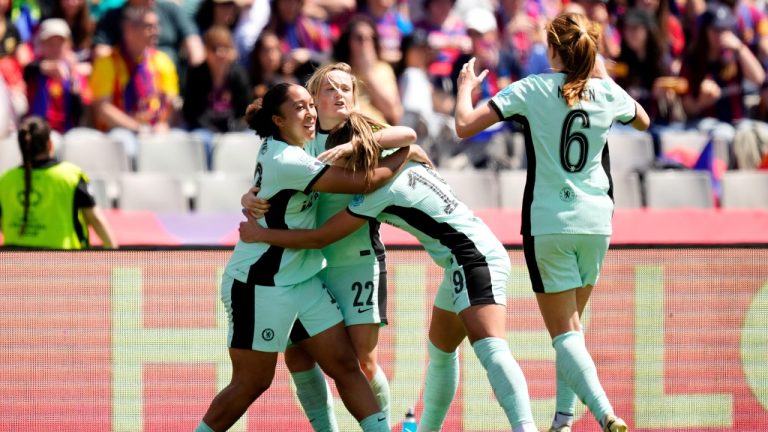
(285, 175)
(420, 202)
(568, 188)
(363, 245)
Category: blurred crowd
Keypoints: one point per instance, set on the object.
(130, 67)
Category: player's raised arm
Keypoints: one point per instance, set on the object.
(470, 120)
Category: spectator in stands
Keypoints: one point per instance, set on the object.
(238, 17)
(416, 91)
(216, 92)
(522, 34)
(642, 63)
(45, 203)
(718, 64)
(217, 13)
(391, 25)
(670, 29)
(82, 26)
(597, 11)
(359, 47)
(491, 148)
(136, 87)
(751, 27)
(12, 57)
(177, 32)
(56, 89)
(447, 35)
(267, 65)
(306, 42)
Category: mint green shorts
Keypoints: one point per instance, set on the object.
(267, 318)
(360, 290)
(474, 284)
(561, 262)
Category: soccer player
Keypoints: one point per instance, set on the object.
(471, 301)
(567, 203)
(272, 295)
(356, 272)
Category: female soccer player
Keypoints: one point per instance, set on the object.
(471, 301)
(356, 266)
(272, 295)
(567, 203)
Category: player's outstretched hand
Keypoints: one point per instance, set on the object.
(250, 230)
(467, 75)
(254, 205)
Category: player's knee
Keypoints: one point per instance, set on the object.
(253, 385)
(369, 368)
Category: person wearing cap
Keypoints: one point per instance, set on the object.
(56, 89)
(488, 149)
(717, 66)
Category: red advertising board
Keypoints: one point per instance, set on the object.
(135, 340)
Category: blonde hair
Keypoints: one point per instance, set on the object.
(315, 82)
(574, 37)
(358, 129)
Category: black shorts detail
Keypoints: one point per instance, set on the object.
(529, 250)
(243, 310)
(383, 291)
(298, 332)
(479, 283)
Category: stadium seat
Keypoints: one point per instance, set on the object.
(630, 151)
(678, 189)
(745, 189)
(235, 153)
(10, 155)
(221, 192)
(176, 152)
(685, 146)
(98, 155)
(475, 188)
(94, 152)
(153, 192)
(99, 188)
(627, 192)
(511, 188)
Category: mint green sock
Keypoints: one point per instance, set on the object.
(315, 398)
(380, 387)
(439, 388)
(573, 361)
(375, 423)
(506, 378)
(565, 403)
(203, 427)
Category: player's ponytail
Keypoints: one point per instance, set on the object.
(258, 115)
(358, 129)
(33, 135)
(574, 38)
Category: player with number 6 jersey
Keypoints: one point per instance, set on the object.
(568, 197)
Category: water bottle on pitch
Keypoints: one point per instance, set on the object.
(409, 423)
